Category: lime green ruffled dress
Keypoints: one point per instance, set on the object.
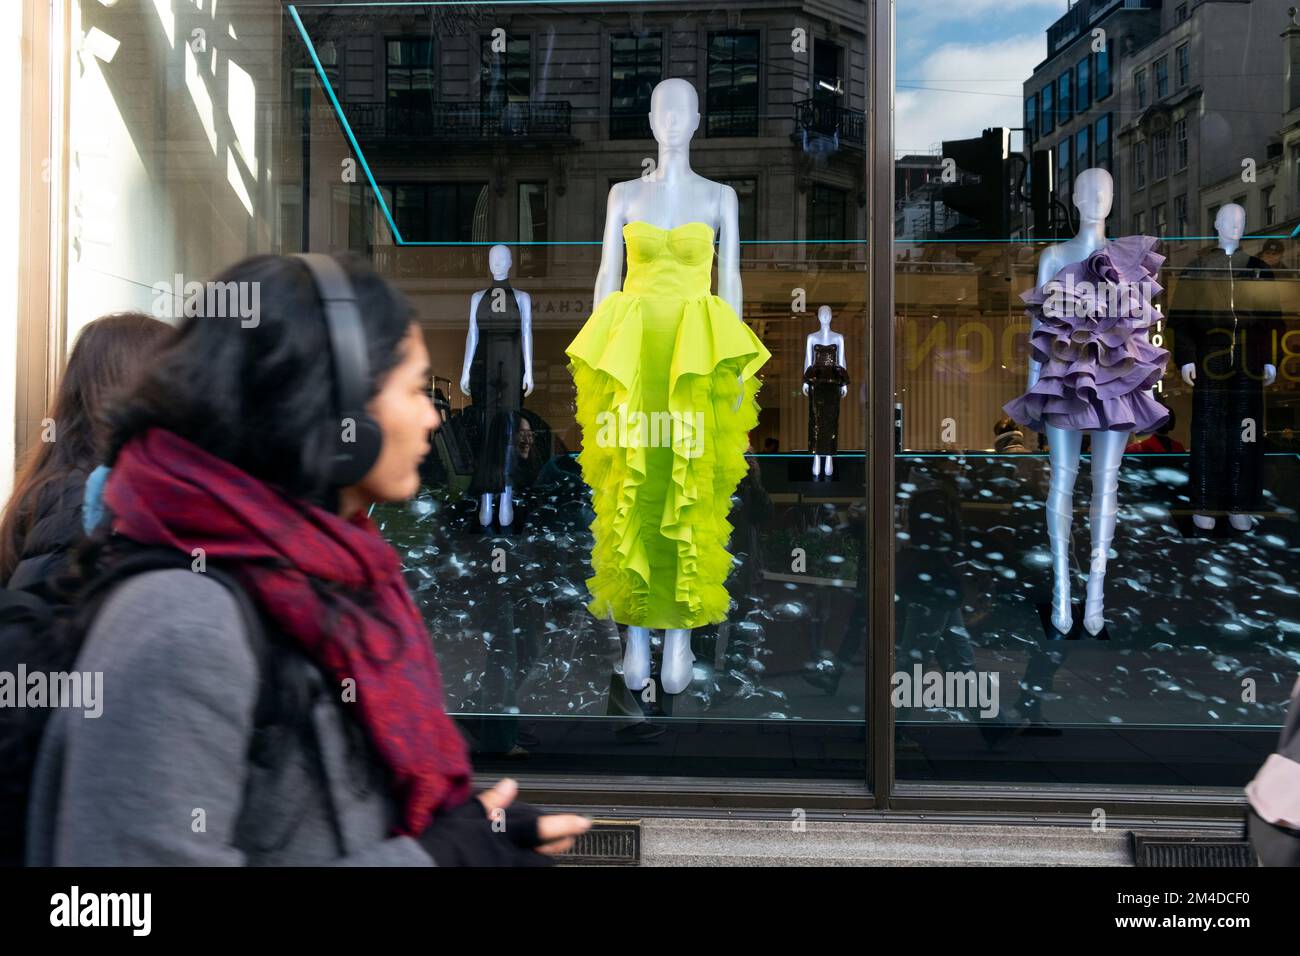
(658, 367)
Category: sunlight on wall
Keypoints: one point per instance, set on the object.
(241, 107)
(199, 93)
(11, 64)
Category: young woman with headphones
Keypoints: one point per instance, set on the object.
(272, 696)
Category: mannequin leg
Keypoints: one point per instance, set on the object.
(830, 466)
(676, 673)
(1063, 453)
(485, 510)
(817, 466)
(507, 510)
(636, 659)
(1107, 452)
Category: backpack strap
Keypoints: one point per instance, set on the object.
(143, 560)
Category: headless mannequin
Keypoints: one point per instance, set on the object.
(499, 263)
(1093, 194)
(824, 337)
(1230, 224)
(668, 195)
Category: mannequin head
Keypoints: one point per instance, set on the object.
(824, 315)
(1230, 223)
(499, 261)
(1094, 192)
(674, 113)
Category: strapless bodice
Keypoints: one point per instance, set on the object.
(672, 263)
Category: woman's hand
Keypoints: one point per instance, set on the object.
(555, 832)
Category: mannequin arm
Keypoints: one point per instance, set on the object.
(471, 342)
(525, 303)
(1047, 269)
(807, 359)
(609, 278)
(729, 286)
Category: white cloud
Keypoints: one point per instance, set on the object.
(959, 89)
(995, 10)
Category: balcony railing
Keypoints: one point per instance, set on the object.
(460, 122)
(827, 119)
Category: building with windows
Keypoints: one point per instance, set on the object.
(1074, 98)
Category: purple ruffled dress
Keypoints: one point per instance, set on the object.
(1092, 340)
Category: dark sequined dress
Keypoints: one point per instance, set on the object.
(824, 378)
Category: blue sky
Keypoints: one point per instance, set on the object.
(961, 66)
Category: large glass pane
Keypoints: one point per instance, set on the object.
(505, 184)
(469, 151)
(1164, 502)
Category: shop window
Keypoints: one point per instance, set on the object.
(732, 97)
(505, 74)
(827, 208)
(747, 203)
(1160, 155)
(440, 212)
(1101, 134)
(828, 70)
(410, 80)
(636, 65)
(533, 232)
(1101, 71)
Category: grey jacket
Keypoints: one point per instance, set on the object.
(162, 777)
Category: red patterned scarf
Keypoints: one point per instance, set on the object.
(333, 585)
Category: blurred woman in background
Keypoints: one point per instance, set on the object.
(43, 516)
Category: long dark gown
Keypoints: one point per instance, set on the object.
(824, 378)
(496, 388)
(1226, 318)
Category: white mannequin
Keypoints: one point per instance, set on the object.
(1093, 194)
(1230, 224)
(670, 194)
(824, 337)
(499, 263)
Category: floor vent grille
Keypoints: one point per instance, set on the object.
(607, 843)
(1151, 850)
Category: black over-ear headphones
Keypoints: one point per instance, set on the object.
(357, 436)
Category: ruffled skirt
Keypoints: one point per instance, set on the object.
(663, 449)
